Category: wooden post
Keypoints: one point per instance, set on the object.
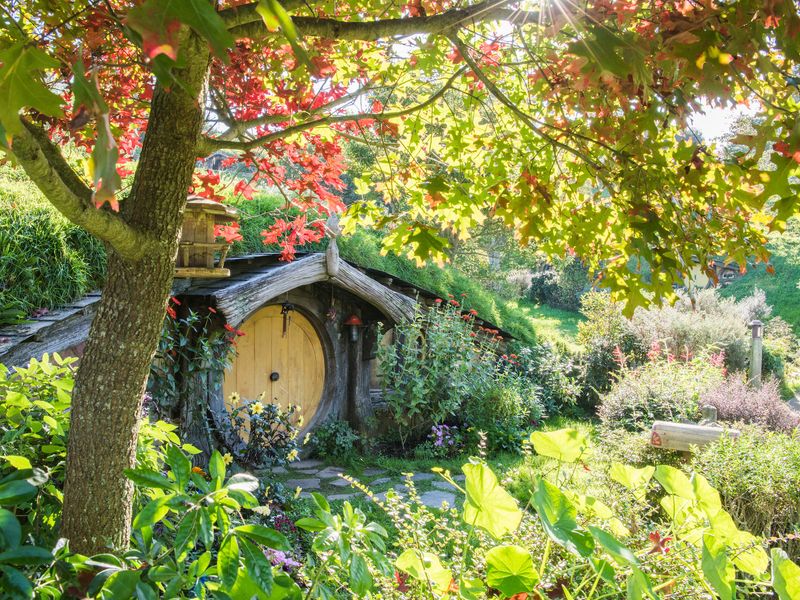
(756, 350)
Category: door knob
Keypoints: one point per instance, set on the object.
(274, 376)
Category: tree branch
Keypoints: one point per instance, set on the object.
(516, 111)
(47, 168)
(208, 144)
(488, 10)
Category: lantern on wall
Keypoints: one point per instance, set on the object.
(354, 322)
(198, 249)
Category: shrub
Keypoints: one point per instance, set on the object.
(758, 476)
(334, 439)
(692, 326)
(604, 330)
(560, 284)
(270, 432)
(660, 390)
(556, 373)
(735, 400)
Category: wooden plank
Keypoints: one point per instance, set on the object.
(682, 436)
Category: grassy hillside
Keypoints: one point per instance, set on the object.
(521, 318)
(781, 288)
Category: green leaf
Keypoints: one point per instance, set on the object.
(216, 468)
(10, 530)
(121, 585)
(785, 576)
(632, 478)
(14, 492)
(558, 515)
(15, 584)
(145, 592)
(488, 505)
(18, 462)
(510, 570)
(152, 513)
(264, 536)
(566, 445)
(201, 16)
(228, 561)
(360, 578)
(675, 482)
(471, 589)
(26, 555)
(242, 482)
(181, 466)
(150, 479)
(718, 570)
(274, 16)
(21, 85)
(748, 554)
(617, 550)
(310, 524)
(425, 567)
(257, 565)
(639, 586)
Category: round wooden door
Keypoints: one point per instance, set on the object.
(282, 358)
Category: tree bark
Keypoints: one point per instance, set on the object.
(110, 383)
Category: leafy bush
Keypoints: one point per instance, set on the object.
(334, 439)
(735, 400)
(704, 323)
(439, 370)
(556, 373)
(269, 429)
(661, 390)
(560, 284)
(758, 476)
(435, 362)
(604, 330)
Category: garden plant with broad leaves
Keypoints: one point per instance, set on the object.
(569, 122)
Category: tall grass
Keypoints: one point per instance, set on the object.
(45, 261)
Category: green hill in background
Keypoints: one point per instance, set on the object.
(781, 288)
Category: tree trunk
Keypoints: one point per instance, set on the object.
(110, 383)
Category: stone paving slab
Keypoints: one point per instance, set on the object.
(341, 497)
(380, 481)
(329, 472)
(310, 483)
(372, 472)
(443, 485)
(417, 477)
(434, 498)
(309, 463)
(339, 482)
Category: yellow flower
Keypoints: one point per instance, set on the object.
(300, 421)
(291, 456)
(234, 398)
(297, 491)
(307, 439)
(256, 408)
(227, 458)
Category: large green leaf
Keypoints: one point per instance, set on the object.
(487, 504)
(150, 479)
(785, 576)
(360, 578)
(26, 555)
(121, 585)
(675, 482)
(558, 514)
(718, 570)
(510, 570)
(265, 536)
(21, 85)
(153, 512)
(567, 445)
(15, 491)
(632, 478)
(228, 561)
(639, 587)
(257, 565)
(10, 530)
(15, 584)
(425, 567)
(618, 551)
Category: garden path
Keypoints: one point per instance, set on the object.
(316, 476)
